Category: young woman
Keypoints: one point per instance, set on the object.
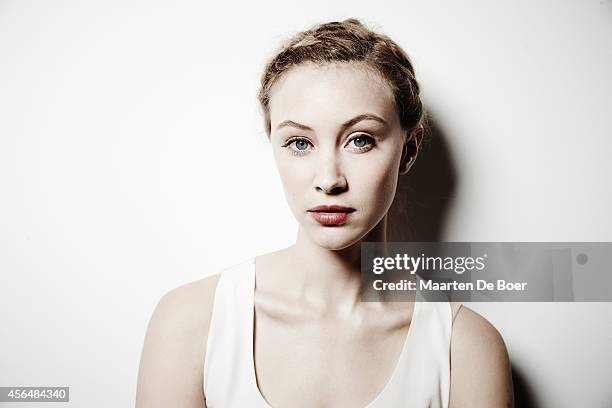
(287, 329)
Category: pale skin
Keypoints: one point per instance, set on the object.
(316, 344)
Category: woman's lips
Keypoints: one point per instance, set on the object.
(330, 218)
(331, 214)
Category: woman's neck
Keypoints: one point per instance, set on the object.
(329, 279)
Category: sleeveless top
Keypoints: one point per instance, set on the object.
(421, 378)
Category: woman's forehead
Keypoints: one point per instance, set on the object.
(313, 92)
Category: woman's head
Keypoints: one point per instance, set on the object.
(342, 109)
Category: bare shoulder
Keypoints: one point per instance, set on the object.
(481, 374)
(187, 304)
(172, 360)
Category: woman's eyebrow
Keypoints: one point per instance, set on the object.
(286, 123)
(345, 125)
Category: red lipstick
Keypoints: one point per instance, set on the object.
(331, 214)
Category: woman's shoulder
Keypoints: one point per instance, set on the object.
(192, 302)
(472, 330)
(189, 302)
(481, 372)
(171, 364)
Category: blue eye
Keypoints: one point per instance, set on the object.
(301, 146)
(363, 142)
(359, 142)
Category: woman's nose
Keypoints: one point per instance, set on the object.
(330, 178)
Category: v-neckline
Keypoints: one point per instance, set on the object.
(251, 336)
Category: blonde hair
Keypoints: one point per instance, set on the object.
(349, 41)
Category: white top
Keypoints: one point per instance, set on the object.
(421, 378)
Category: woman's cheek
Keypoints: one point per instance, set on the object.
(378, 174)
(295, 183)
(287, 172)
(383, 182)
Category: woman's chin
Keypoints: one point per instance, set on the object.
(335, 238)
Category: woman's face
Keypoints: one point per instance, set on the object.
(336, 140)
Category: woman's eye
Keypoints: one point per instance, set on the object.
(301, 144)
(362, 142)
(297, 146)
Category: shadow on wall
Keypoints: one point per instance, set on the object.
(425, 194)
(419, 213)
(523, 395)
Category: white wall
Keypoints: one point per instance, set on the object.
(130, 142)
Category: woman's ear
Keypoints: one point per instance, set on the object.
(410, 149)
